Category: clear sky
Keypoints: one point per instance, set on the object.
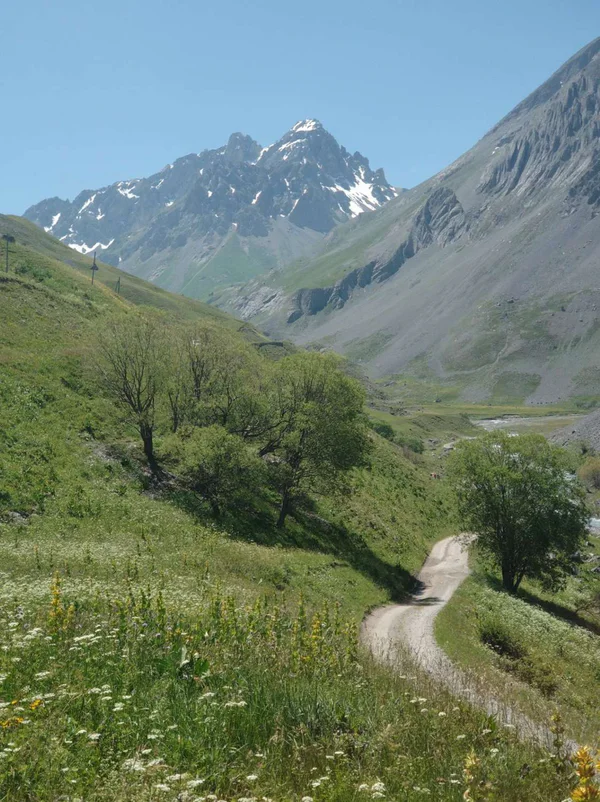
(94, 92)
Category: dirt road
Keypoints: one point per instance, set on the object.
(410, 626)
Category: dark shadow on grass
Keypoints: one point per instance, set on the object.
(555, 609)
(256, 524)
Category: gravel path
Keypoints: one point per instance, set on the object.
(411, 625)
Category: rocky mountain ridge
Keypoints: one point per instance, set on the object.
(254, 207)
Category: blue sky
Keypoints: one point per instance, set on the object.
(94, 92)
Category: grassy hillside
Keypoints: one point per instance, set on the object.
(35, 252)
(538, 651)
(150, 652)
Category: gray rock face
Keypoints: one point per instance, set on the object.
(169, 226)
(441, 220)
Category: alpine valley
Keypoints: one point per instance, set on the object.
(484, 278)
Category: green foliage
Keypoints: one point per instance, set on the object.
(320, 431)
(406, 440)
(383, 429)
(218, 465)
(516, 495)
(131, 365)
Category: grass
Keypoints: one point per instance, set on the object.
(118, 697)
(534, 650)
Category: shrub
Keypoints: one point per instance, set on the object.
(590, 472)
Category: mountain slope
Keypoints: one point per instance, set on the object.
(35, 254)
(486, 274)
(221, 216)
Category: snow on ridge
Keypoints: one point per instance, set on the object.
(127, 193)
(306, 125)
(85, 249)
(169, 203)
(360, 194)
(157, 186)
(262, 153)
(257, 196)
(55, 220)
(291, 144)
(88, 202)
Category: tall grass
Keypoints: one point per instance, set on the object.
(123, 699)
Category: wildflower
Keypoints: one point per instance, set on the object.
(94, 736)
(460, 737)
(378, 787)
(42, 675)
(377, 795)
(586, 790)
(252, 777)
(307, 799)
(194, 783)
(118, 707)
(162, 787)
(339, 753)
(363, 787)
(441, 714)
(133, 764)
(35, 704)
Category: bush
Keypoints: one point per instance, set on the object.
(412, 443)
(590, 472)
(383, 429)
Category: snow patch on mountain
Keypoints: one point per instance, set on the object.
(55, 220)
(85, 249)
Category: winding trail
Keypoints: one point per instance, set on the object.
(410, 625)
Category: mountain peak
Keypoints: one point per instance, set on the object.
(303, 126)
(241, 148)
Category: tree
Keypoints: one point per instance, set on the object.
(320, 430)
(216, 464)
(517, 495)
(217, 378)
(8, 239)
(132, 368)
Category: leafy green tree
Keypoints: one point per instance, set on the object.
(218, 465)
(518, 496)
(131, 363)
(319, 431)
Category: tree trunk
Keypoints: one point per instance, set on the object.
(508, 579)
(284, 510)
(147, 434)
